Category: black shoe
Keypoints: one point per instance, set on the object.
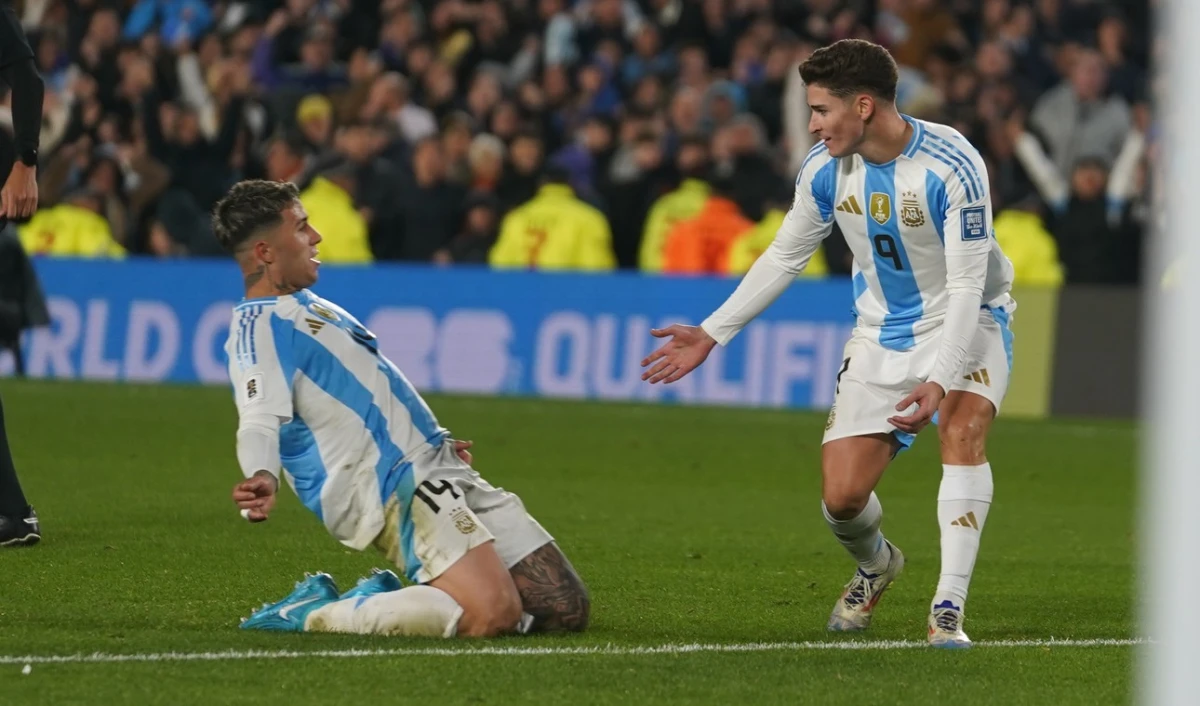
(20, 532)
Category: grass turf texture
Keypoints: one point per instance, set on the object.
(689, 525)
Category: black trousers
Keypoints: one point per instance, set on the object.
(12, 499)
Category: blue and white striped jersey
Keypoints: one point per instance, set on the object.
(904, 221)
(351, 422)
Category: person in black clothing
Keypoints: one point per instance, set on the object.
(431, 208)
(523, 172)
(477, 235)
(200, 171)
(1097, 243)
(18, 200)
(628, 199)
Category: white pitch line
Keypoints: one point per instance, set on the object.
(533, 651)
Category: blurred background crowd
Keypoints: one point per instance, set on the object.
(660, 135)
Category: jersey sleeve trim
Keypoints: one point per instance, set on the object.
(817, 149)
(939, 202)
(960, 164)
(246, 347)
(818, 180)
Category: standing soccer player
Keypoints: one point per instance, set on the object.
(931, 293)
(362, 451)
(18, 200)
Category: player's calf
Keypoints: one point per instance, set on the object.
(850, 470)
(483, 587)
(552, 592)
(964, 499)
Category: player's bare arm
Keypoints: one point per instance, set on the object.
(551, 591)
(797, 240)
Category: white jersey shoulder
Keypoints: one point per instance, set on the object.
(902, 221)
(351, 421)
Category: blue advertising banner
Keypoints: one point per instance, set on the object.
(466, 330)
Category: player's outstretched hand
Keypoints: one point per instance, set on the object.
(256, 495)
(688, 348)
(928, 397)
(460, 448)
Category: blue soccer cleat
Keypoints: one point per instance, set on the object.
(289, 614)
(380, 581)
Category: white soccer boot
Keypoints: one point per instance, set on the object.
(945, 627)
(854, 609)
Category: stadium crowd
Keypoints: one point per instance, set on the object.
(661, 135)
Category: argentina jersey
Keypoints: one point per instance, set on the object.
(902, 220)
(351, 422)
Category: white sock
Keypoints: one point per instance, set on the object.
(413, 611)
(963, 501)
(861, 536)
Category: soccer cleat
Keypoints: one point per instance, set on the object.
(854, 609)
(289, 614)
(380, 581)
(945, 627)
(21, 531)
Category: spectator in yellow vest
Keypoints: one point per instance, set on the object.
(329, 201)
(748, 246)
(554, 230)
(1031, 248)
(680, 204)
(73, 228)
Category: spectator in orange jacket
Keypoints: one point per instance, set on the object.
(700, 244)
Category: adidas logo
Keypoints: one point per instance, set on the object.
(850, 205)
(980, 376)
(315, 325)
(967, 520)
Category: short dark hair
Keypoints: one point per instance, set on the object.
(293, 142)
(721, 183)
(250, 207)
(693, 140)
(851, 66)
(556, 174)
(528, 132)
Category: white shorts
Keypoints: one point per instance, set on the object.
(873, 379)
(445, 510)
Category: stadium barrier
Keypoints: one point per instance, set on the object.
(1097, 356)
(471, 330)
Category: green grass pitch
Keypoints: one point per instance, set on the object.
(690, 526)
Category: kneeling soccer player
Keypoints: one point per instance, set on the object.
(363, 451)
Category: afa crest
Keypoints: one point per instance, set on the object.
(881, 207)
(464, 522)
(911, 214)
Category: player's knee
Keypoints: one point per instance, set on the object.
(845, 503)
(963, 436)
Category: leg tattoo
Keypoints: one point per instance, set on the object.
(551, 591)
